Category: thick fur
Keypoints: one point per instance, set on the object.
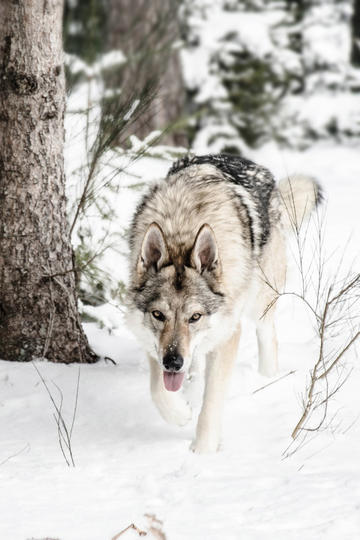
(208, 240)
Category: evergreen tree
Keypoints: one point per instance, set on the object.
(267, 67)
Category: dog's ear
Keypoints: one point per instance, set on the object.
(153, 252)
(204, 255)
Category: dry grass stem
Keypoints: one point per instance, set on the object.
(64, 432)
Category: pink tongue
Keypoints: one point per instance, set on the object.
(173, 381)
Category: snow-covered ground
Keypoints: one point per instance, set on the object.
(129, 463)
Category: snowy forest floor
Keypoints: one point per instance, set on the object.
(129, 463)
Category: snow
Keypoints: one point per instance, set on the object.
(129, 463)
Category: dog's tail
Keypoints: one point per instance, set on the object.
(299, 195)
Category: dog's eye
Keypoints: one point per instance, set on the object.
(158, 315)
(195, 317)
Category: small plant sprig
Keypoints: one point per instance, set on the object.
(333, 302)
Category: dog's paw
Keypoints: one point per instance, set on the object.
(205, 445)
(179, 414)
(268, 371)
(268, 366)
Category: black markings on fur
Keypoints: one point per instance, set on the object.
(258, 182)
(221, 161)
(319, 195)
(212, 288)
(155, 286)
(179, 277)
(247, 223)
(208, 295)
(144, 296)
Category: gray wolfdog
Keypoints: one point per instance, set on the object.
(205, 243)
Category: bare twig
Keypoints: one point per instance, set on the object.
(332, 302)
(132, 526)
(340, 355)
(156, 527)
(273, 382)
(76, 401)
(64, 432)
(62, 427)
(26, 447)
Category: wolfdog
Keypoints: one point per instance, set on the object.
(206, 242)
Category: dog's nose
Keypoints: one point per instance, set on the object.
(173, 361)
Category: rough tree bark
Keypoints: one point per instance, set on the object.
(38, 313)
(146, 31)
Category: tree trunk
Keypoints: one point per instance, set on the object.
(146, 31)
(355, 29)
(38, 304)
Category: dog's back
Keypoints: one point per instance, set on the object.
(229, 193)
(236, 197)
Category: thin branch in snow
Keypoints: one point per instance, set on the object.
(132, 526)
(273, 382)
(331, 302)
(64, 432)
(76, 402)
(156, 527)
(26, 447)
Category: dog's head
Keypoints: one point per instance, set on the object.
(177, 294)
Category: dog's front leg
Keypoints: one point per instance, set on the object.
(172, 407)
(218, 371)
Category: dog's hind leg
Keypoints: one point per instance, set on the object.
(218, 371)
(272, 275)
(267, 345)
(172, 407)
